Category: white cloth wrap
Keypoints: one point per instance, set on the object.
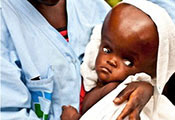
(105, 108)
(88, 66)
(166, 50)
(165, 67)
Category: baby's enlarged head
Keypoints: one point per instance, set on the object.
(129, 44)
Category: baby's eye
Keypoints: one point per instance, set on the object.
(128, 63)
(106, 50)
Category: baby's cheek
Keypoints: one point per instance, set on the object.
(119, 75)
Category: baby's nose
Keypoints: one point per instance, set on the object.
(112, 63)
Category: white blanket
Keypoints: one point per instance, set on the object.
(159, 106)
(105, 109)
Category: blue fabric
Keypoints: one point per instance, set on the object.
(48, 95)
(35, 95)
(31, 47)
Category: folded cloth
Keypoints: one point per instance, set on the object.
(88, 66)
(165, 60)
(105, 108)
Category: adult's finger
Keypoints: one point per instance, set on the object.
(135, 115)
(130, 106)
(124, 95)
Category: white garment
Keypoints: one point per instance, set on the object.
(106, 110)
(165, 63)
(88, 66)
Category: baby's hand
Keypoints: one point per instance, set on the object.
(69, 113)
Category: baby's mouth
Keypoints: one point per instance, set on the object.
(106, 70)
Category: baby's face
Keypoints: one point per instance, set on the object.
(128, 46)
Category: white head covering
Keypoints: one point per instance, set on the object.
(166, 31)
(88, 66)
(166, 49)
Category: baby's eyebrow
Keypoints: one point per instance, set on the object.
(105, 39)
(132, 55)
(107, 42)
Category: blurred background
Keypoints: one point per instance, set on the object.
(112, 3)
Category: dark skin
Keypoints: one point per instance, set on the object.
(121, 55)
(53, 11)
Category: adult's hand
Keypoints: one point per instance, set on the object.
(137, 94)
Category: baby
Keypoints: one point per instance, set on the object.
(129, 45)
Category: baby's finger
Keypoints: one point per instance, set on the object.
(64, 107)
(124, 95)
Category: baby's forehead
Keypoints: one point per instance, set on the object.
(126, 24)
(127, 16)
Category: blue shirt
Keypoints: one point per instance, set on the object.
(31, 47)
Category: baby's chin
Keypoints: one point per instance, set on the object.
(107, 78)
(104, 78)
